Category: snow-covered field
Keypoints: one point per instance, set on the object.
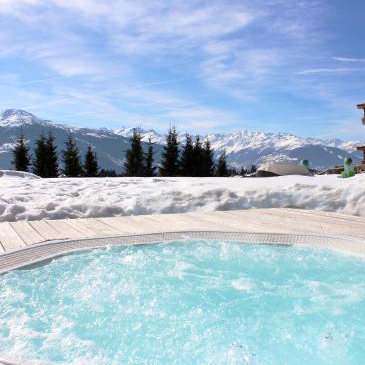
(34, 199)
(10, 174)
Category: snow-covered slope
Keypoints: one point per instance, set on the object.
(244, 148)
(15, 118)
(105, 197)
(11, 174)
(146, 134)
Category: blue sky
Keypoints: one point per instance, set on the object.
(207, 66)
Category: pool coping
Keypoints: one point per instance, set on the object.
(29, 255)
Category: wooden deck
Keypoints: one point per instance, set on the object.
(15, 235)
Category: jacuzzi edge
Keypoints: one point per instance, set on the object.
(32, 254)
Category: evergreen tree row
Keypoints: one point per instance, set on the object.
(45, 160)
(196, 158)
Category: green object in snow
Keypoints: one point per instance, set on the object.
(348, 168)
(305, 163)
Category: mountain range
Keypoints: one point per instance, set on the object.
(244, 148)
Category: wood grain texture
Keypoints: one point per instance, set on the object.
(278, 220)
(9, 238)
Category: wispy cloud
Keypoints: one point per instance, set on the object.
(73, 95)
(346, 59)
(215, 63)
(330, 70)
(32, 82)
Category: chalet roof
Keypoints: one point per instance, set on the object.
(361, 106)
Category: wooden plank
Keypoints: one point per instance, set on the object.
(264, 222)
(209, 222)
(124, 225)
(27, 233)
(330, 215)
(185, 221)
(2, 249)
(99, 228)
(326, 224)
(306, 223)
(147, 222)
(167, 223)
(278, 221)
(66, 229)
(9, 238)
(47, 231)
(236, 222)
(77, 226)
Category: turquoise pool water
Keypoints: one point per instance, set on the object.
(187, 303)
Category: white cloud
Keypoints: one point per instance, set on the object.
(329, 70)
(238, 49)
(345, 59)
(73, 66)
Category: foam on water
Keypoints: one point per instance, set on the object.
(187, 303)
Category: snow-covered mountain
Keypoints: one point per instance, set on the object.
(244, 148)
(110, 147)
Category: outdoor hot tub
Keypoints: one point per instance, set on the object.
(192, 300)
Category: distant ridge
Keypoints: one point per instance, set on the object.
(244, 148)
(249, 147)
(110, 147)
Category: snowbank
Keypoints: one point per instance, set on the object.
(28, 199)
(17, 174)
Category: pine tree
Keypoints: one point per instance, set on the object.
(208, 159)
(20, 153)
(187, 158)
(51, 157)
(71, 158)
(170, 156)
(91, 163)
(40, 157)
(149, 159)
(107, 173)
(232, 172)
(243, 171)
(198, 157)
(135, 164)
(221, 169)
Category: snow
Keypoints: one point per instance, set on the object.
(11, 174)
(241, 140)
(145, 134)
(243, 148)
(6, 147)
(14, 117)
(35, 199)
